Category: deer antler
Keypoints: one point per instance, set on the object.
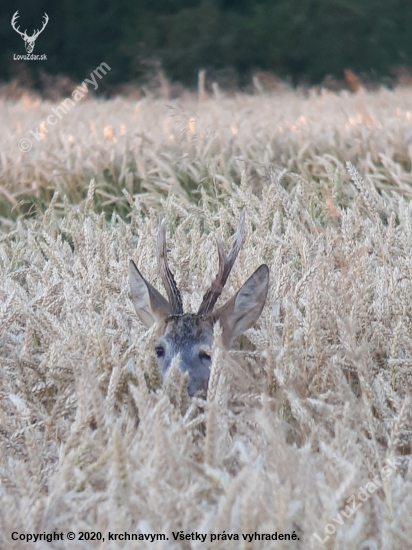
(168, 280)
(13, 24)
(225, 267)
(36, 33)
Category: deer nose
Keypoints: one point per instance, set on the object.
(198, 387)
(203, 387)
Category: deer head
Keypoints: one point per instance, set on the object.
(29, 41)
(191, 334)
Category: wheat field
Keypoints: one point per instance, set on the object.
(307, 428)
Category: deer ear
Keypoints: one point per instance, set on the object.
(245, 307)
(149, 304)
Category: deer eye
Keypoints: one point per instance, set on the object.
(204, 356)
(160, 351)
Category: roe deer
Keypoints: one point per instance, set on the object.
(191, 334)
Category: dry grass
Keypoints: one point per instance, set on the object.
(158, 146)
(316, 397)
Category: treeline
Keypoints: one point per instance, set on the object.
(302, 40)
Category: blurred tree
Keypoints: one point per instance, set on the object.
(297, 38)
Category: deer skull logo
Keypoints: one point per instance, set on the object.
(29, 41)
